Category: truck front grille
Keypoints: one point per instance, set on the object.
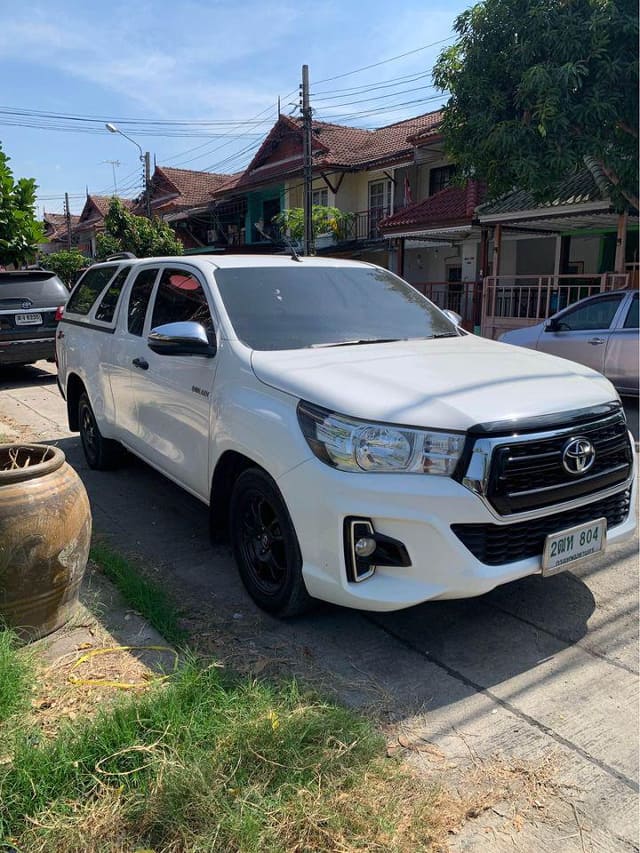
(529, 474)
(497, 544)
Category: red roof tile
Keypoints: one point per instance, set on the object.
(451, 206)
(334, 146)
(193, 188)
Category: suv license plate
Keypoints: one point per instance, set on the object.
(28, 319)
(565, 547)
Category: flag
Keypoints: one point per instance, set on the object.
(407, 192)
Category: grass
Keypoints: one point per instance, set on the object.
(204, 761)
(16, 677)
(146, 597)
(209, 762)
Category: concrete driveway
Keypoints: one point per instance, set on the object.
(539, 676)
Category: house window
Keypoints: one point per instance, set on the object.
(440, 178)
(320, 198)
(379, 204)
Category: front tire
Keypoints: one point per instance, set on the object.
(265, 545)
(101, 453)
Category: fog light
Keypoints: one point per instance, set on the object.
(365, 547)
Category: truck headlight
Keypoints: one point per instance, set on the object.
(353, 445)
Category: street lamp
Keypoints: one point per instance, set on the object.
(144, 159)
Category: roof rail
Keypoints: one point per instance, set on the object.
(121, 256)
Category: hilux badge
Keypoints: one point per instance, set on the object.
(578, 455)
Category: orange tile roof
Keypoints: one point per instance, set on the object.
(194, 188)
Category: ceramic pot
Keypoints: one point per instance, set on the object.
(45, 533)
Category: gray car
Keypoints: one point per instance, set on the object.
(600, 331)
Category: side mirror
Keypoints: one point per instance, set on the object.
(181, 339)
(453, 316)
(552, 325)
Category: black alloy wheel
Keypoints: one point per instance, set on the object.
(265, 545)
(101, 453)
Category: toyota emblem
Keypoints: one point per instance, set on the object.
(27, 303)
(578, 455)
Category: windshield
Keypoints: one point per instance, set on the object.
(296, 307)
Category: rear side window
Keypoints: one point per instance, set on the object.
(139, 300)
(86, 291)
(180, 298)
(107, 307)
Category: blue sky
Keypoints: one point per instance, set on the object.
(198, 62)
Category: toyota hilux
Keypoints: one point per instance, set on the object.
(356, 444)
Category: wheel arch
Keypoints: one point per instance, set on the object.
(228, 468)
(75, 389)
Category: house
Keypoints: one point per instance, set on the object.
(174, 192)
(91, 222)
(366, 173)
(512, 261)
(55, 231)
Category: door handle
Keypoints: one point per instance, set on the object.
(141, 363)
(596, 341)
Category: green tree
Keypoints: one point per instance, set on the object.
(126, 232)
(66, 264)
(20, 231)
(538, 89)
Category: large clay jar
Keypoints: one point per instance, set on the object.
(45, 533)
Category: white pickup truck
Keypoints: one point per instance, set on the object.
(355, 443)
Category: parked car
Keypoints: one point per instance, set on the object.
(358, 446)
(600, 331)
(31, 302)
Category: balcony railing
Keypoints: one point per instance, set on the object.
(510, 302)
(364, 225)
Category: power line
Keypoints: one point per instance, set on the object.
(385, 61)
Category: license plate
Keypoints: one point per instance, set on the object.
(28, 319)
(565, 547)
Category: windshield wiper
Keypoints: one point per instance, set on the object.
(359, 341)
(445, 335)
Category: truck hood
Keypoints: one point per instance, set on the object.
(450, 383)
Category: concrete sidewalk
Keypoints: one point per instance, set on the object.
(537, 674)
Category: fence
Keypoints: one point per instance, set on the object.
(511, 302)
(463, 297)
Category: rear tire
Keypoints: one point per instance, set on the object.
(265, 546)
(101, 453)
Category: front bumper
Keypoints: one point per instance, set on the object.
(417, 510)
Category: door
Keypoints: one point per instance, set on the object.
(623, 354)
(581, 333)
(128, 345)
(174, 393)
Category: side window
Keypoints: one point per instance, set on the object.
(592, 316)
(90, 285)
(631, 321)
(139, 300)
(180, 298)
(107, 307)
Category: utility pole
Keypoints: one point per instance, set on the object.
(67, 216)
(147, 183)
(307, 164)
